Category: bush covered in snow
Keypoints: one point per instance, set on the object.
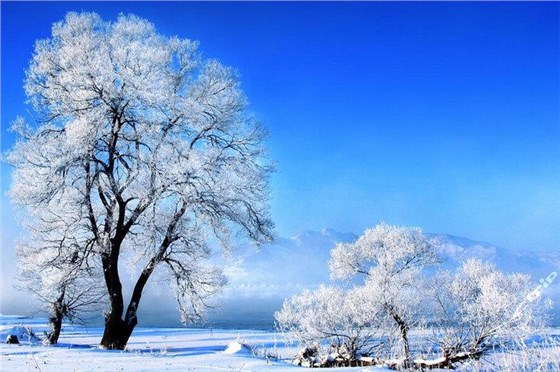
(349, 322)
(459, 316)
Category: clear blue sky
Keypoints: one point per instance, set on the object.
(439, 115)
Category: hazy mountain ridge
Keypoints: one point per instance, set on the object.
(261, 277)
(268, 274)
(455, 250)
(303, 258)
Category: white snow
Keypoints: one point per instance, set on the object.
(151, 349)
(237, 348)
(183, 349)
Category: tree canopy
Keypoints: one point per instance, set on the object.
(141, 146)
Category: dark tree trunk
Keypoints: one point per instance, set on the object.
(117, 332)
(60, 310)
(56, 326)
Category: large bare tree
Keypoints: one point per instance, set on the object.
(141, 147)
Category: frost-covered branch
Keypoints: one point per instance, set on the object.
(134, 124)
(479, 308)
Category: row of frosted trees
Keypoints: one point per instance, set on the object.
(392, 305)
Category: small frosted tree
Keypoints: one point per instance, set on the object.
(347, 320)
(387, 262)
(142, 148)
(60, 275)
(63, 295)
(478, 308)
(390, 259)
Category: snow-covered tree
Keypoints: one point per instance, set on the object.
(390, 259)
(478, 308)
(347, 320)
(466, 313)
(144, 148)
(53, 268)
(62, 294)
(384, 268)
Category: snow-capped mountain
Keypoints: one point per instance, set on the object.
(453, 250)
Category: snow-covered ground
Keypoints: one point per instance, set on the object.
(149, 349)
(190, 349)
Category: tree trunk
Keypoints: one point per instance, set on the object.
(117, 332)
(60, 310)
(56, 326)
(403, 328)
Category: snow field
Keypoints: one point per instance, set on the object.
(152, 349)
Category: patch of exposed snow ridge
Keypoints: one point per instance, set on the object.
(237, 348)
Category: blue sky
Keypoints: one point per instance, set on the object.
(439, 115)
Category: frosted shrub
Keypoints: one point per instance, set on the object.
(346, 322)
(457, 317)
(478, 309)
(389, 261)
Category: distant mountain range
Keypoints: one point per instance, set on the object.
(537, 264)
(269, 273)
(261, 277)
(302, 261)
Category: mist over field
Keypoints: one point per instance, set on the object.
(260, 278)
